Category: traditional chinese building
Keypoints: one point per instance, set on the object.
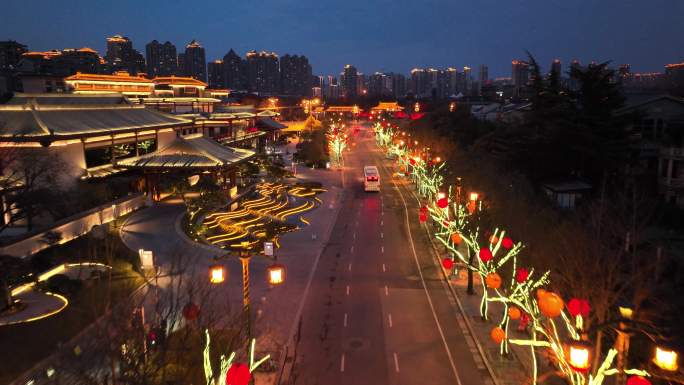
(133, 86)
(89, 133)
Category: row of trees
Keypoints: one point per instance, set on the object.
(598, 252)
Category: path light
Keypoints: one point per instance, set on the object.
(666, 359)
(578, 354)
(217, 274)
(276, 274)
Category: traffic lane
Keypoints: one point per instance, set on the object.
(414, 336)
(418, 351)
(411, 339)
(463, 352)
(364, 357)
(320, 350)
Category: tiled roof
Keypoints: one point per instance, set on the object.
(190, 152)
(179, 80)
(121, 76)
(45, 119)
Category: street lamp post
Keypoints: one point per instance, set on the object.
(245, 256)
(622, 342)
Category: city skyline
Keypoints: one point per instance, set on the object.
(502, 34)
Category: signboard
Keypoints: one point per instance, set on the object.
(268, 249)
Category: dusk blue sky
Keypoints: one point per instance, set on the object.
(378, 35)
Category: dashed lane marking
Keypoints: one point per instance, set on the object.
(396, 363)
(349, 267)
(389, 319)
(386, 291)
(383, 267)
(345, 319)
(347, 289)
(342, 363)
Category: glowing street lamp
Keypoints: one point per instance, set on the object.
(472, 205)
(578, 354)
(217, 274)
(276, 274)
(666, 359)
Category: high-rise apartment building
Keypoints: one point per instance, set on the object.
(216, 74)
(161, 59)
(235, 74)
(121, 56)
(263, 73)
(520, 73)
(350, 86)
(483, 76)
(194, 61)
(63, 63)
(556, 67)
(295, 75)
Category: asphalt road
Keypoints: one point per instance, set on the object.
(378, 311)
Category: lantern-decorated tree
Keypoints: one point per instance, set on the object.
(521, 293)
(337, 143)
(230, 372)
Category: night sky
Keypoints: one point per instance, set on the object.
(373, 35)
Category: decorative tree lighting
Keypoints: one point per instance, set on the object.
(578, 354)
(276, 274)
(217, 274)
(666, 359)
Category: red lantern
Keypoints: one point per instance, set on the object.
(423, 209)
(442, 203)
(448, 263)
(638, 380)
(191, 311)
(238, 374)
(456, 238)
(578, 306)
(485, 255)
(422, 217)
(412, 161)
(507, 243)
(521, 275)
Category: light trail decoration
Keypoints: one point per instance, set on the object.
(250, 225)
(230, 372)
(520, 292)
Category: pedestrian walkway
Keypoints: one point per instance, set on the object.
(275, 310)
